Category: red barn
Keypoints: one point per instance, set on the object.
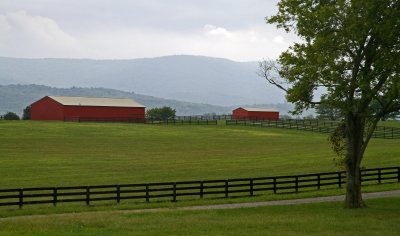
(246, 113)
(87, 109)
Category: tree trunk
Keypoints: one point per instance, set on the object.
(353, 188)
(354, 137)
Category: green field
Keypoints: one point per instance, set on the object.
(381, 218)
(37, 154)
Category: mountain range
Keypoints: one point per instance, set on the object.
(15, 98)
(194, 79)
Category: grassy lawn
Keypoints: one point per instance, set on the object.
(380, 218)
(62, 154)
(390, 124)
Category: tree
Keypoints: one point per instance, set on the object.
(10, 116)
(161, 113)
(324, 111)
(27, 113)
(351, 48)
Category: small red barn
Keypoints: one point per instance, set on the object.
(87, 109)
(247, 113)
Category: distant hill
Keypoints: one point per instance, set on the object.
(195, 79)
(16, 97)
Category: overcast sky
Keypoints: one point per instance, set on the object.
(126, 29)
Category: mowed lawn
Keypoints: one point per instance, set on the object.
(34, 154)
(380, 218)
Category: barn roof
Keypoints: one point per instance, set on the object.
(103, 102)
(259, 109)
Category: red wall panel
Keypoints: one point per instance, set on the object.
(97, 112)
(241, 113)
(264, 115)
(47, 109)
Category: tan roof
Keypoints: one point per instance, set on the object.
(258, 109)
(103, 102)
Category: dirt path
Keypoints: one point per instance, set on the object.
(221, 206)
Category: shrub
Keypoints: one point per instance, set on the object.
(10, 116)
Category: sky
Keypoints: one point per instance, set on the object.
(128, 29)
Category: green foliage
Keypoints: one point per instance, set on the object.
(10, 116)
(327, 112)
(161, 113)
(27, 113)
(350, 47)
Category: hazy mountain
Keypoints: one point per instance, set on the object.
(189, 78)
(16, 97)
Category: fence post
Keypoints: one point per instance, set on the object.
(147, 194)
(274, 184)
(319, 181)
(340, 179)
(118, 193)
(20, 197)
(398, 174)
(251, 187)
(384, 132)
(87, 195)
(379, 175)
(201, 189)
(226, 188)
(297, 184)
(174, 192)
(55, 196)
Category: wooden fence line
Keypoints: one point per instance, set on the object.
(315, 126)
(322, 126)
(143, 120)
(171, 191)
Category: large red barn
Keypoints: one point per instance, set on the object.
(87, 109)
(246, 113)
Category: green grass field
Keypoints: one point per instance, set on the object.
(37, 154)
(54, 153)
(381, 218)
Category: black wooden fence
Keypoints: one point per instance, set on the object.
(315, 126)
(143, 120)
(173, 191)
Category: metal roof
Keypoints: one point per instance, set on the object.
(102, 102)
(258, 109)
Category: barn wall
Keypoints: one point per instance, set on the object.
(103, 113)
(47, 109)
(264, 115)
(239, 113)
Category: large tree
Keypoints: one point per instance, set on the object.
(350, 50)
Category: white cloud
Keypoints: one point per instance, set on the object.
(214, 30)
(279, 39)
(25, 35)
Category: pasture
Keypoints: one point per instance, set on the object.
(35, 154)
(381, 218)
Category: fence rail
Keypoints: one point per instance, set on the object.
(172, 191)
(315, 126)
(143, 120)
